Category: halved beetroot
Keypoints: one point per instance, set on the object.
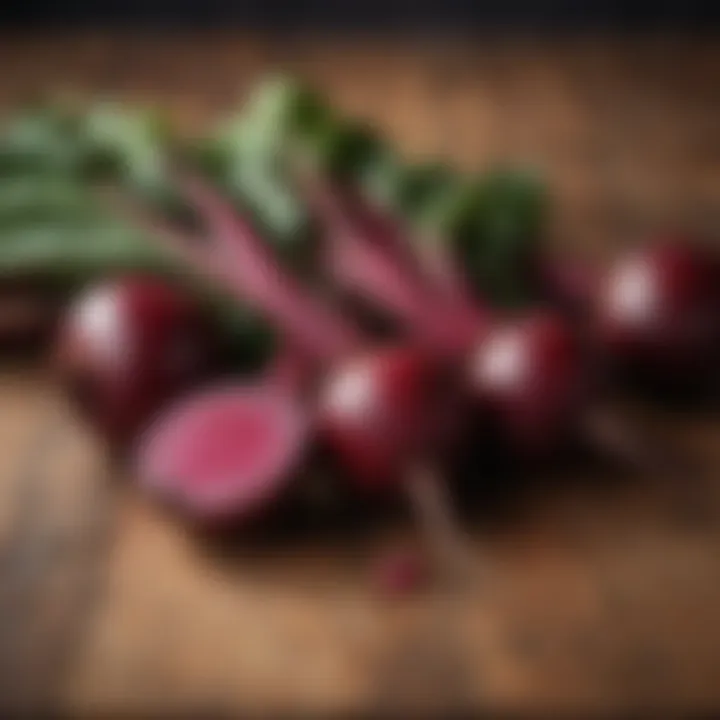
(225, 453)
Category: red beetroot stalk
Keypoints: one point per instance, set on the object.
(237, 257)
(567, 282)
(386, 421)
(262, 282)
(225, 454)
(369, 253)
(430, 263)
(383, 264)
(341, 203)
(530, 373)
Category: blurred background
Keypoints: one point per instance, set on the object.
(604, 597)
(376, 15)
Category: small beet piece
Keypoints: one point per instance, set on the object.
(657, 312)
(400, 572)
(126, 346)
(224, 454)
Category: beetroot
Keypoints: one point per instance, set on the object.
(127, 346)
(657, 311)
(375, 406)
(529, 375)
(389, 415)
(378, 410)
(225, 453)
(525, 373)
(653, 314)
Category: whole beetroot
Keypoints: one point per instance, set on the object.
(128, 345)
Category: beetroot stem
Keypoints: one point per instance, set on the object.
(261, 280)
(368, 253)
(433, 511)
(237, 253)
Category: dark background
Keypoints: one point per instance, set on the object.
(372, 14)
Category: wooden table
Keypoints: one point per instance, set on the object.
(601, 592)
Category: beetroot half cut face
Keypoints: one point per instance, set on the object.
(226, 453)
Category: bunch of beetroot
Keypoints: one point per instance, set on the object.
(391, 410)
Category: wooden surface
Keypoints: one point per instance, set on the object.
(601, 592)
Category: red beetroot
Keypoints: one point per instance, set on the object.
(526, 373)
(127, 346)
(529, 374)
(394, 415)
(381, 408)
(395, 387)
(657, 310)
(225, 453)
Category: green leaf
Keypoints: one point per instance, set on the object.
(129, 145)
(37, 198)
(247, 155)
(345, 148)
(52, 228)
(278, 112)
(41, 139)
(80, 253)
(287, 108)
(499, 243)
(278, 211)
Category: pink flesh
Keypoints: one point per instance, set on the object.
(226, 451)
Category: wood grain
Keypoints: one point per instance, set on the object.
(602, 591)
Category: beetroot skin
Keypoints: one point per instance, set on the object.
(126, 347)
(657, 309)
(529, 375)
(226, 453)
(378, 410)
